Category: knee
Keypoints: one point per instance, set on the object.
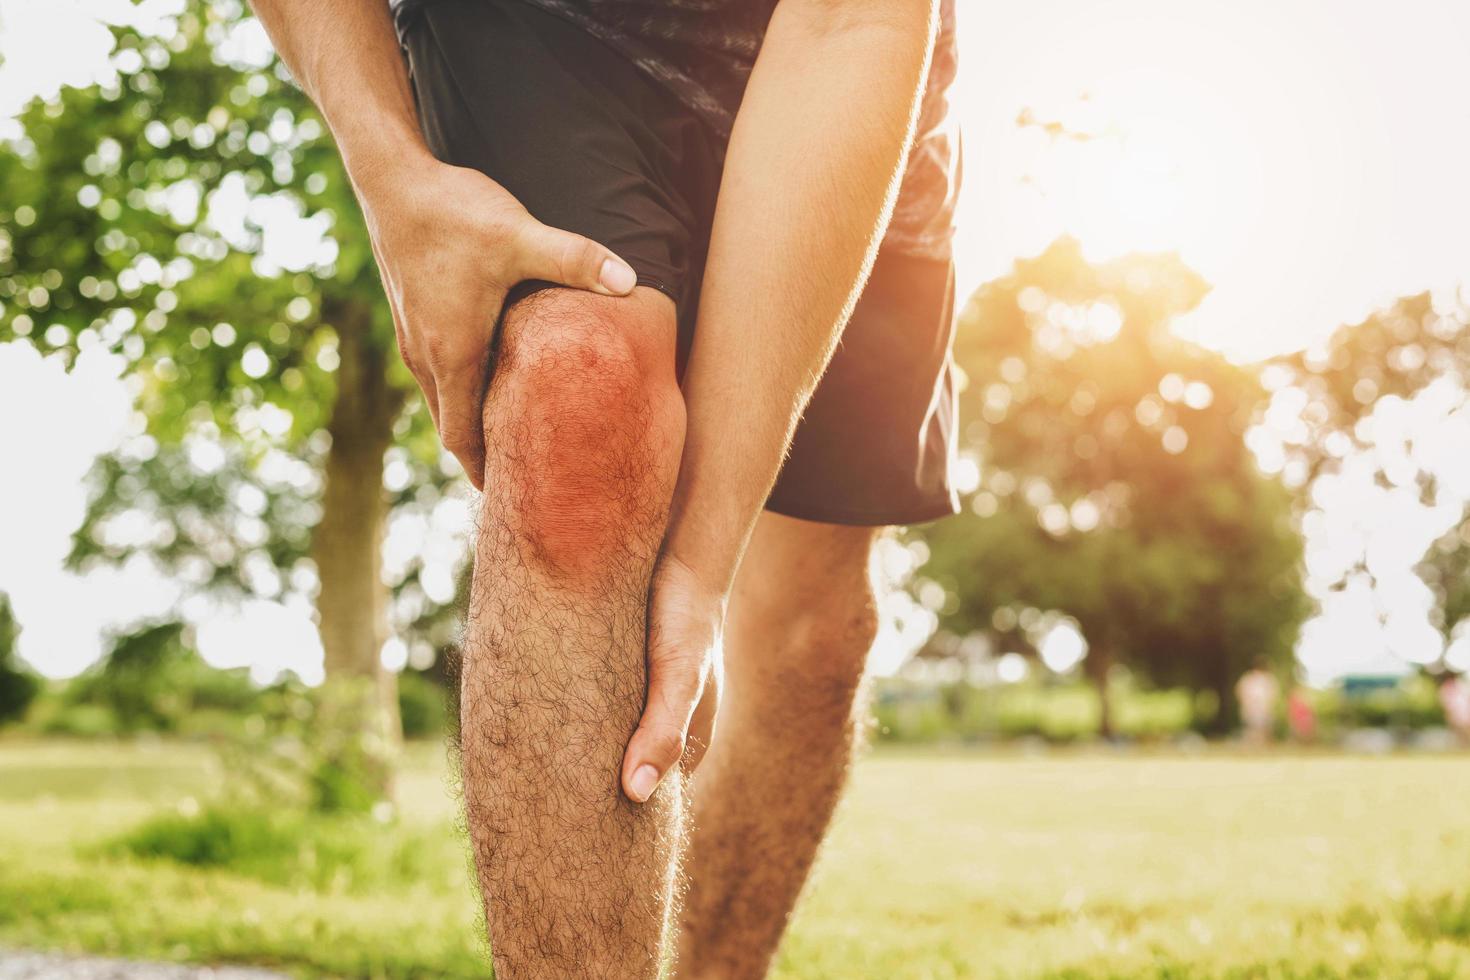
(584, 425)
(830, 637)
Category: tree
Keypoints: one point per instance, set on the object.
(1339, 397)
(18, 687)
(190, 215)
(1114, 484)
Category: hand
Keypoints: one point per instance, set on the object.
(685, 623)
(450, 243)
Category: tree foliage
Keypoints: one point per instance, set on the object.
(1415, 350)
(190, 216)
(1114, 484)
(138, 214)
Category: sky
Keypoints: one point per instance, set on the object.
(1306, 157)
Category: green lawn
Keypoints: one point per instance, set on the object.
(942, 865)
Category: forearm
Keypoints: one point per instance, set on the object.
(809, 180)
(448, 240)
(345, 55)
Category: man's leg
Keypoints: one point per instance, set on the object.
(801, 620)
(584, 424)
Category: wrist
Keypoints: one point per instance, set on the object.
(381, 166)
(371, 112)
(698, 588)
(700, 549)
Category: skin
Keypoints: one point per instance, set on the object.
(820, 139)
(584, 423)
(802, 617)
(618, 507)
(431, 224)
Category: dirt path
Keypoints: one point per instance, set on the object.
(51, 966)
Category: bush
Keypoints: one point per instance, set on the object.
(18, 689)
(1058, 714)
(217, 838)
(152, 680)
(308, 749)
(18, 686)
(1411, 703)
(293, 848)
(57, 717)
(1060, 710)
(1153, 714)
(907, 713)
(422, 705)
(1066, 711)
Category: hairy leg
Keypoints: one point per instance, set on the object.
(801, 621)
(584, 425)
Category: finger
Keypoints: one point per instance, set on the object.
(461, 393)
(702, 721)
(674, 686)
(571, 260)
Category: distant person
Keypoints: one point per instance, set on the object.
(730, 187)
(1257, 692)
(1301, 717)
(1454, 698)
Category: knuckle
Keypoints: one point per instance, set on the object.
(589, 257)
(575, 257)
(437, 349)
(503, 214)
(666, 742)
(455, 435)
(453, 352)
(520, 237)
(464, 451)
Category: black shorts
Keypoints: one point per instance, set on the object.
(588, 143)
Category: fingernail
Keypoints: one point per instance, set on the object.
(617, 277)
(643, 783)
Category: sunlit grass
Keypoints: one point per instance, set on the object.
(1078, 866)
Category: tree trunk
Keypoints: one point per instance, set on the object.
(1098, 665)
(352, 607)
(1223, 677)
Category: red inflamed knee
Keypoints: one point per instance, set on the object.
(584, 425)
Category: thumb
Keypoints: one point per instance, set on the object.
(674, 687)
(570, 260)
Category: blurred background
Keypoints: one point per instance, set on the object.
(1181, 693)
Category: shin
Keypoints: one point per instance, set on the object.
(584, 424)
(801, 622)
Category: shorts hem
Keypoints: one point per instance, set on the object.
(528, 287)
(877, 517)
(654, 282)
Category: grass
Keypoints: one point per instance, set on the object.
(1082, 866)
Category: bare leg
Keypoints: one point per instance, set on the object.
(584, 424)
(801, 621)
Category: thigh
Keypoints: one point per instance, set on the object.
(569, 127)
(562, 323)
(875, 443)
